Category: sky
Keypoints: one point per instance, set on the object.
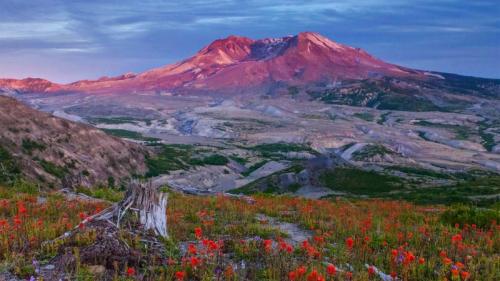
(69, 40)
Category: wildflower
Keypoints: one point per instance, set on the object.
(130, 271)
(394, 253)
(313, 276)
(447, 261)
(194, 261)
(371, 270)
(409, 257)
(456, 239)
(349, 242)
(229, 272)
(292, 275)
(82, 215)
(330, 269)
(192, 249)
(180, 275)
(268, 245)
(454, 272)
(394, 275)
(464, 275)
(198, 233)
(421, 260)
(348, 275)
(301, 270)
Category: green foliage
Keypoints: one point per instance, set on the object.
(364, 116)
(129, 135)
(238, 159)
(273, 150)
(477, 190)
(461, 132)
(488, 139)
(118, 120)
(30, 145)
(359, 182)
(170, 158)
(421, 172)
(53, 169)
(369, 151)
(104, 193)
(9, 169)
(463, 214)
(254, 167)
(214, 159)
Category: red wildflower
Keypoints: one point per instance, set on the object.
(349, 242)
(192, 249)
(198, 233)
(313, 276)
(301, 270)
(421, 260)
(330, 269)
(130, 271)
(371, 270)
(194, 261)
(292, 275)
(464, 275)
(179, 275)
(268, 245)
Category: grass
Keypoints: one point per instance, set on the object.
(9, 168)
(29, 146)
(465, 191)
(409, 241)
(253, 168)
(129, 135)
(359, 182)
(461, 132)
(276, 150)
(118, 120)
(104, 193)
(214, 159)
(364, 116)
(421, 172)
(53, 169)
(488, 139)
(180, 157)
(371, 150)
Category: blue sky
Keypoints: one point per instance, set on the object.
(65, 40)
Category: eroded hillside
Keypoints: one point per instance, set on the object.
(53, 151)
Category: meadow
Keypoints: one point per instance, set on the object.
(227, 238)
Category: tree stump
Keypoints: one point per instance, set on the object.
(145, 200)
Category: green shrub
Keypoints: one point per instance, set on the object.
(9, 169)
(463, 214)
(30, 145)
(53, 169)
(358, 181)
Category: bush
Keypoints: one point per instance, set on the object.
(463, 214)
(9, 170)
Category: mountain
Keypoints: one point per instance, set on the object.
(28, 85)
(307, 63)
(52, 151)
(239, 63)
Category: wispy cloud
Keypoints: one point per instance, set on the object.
(160, 31)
